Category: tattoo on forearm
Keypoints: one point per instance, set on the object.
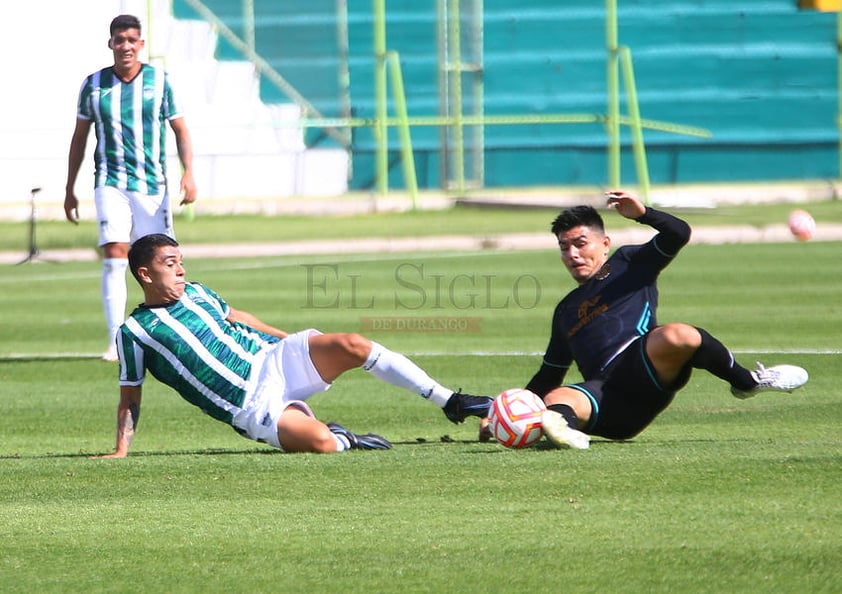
(129, 422)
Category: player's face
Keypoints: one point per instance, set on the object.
(126, 46)
(583, 251)
(164, 276)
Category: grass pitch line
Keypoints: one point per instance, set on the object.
(64, 355)
(541, 353)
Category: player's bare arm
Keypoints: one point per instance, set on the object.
(74, 162)
(627, 205)
(184, 146)
(244, 317)
(128, 414)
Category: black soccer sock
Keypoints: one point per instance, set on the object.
(567, 412)
(714, 357)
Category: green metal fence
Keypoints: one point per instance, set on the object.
(461, 120)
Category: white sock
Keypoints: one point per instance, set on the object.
(114, 294)
(342, 443)
(395, 369)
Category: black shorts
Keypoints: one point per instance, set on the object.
(627, 397)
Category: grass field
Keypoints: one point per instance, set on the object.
(718, 495)
(463, 219)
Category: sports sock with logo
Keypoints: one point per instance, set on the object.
(395, 369)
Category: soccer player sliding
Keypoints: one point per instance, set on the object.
(632, 366)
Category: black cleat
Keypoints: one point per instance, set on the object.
(369, 441)
(460, 406)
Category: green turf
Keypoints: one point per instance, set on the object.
(718, 495)
(462, 219)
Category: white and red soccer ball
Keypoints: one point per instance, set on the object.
(802, 225)
(515, 418)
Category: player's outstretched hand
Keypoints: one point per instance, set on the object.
(626, 204)
(485, 430)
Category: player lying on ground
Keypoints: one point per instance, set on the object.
(632, 367)
(243, 372)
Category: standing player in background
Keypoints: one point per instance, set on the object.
(128, 104)
(632, 366)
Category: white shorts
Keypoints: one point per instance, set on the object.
(125, 216)
(286, 378)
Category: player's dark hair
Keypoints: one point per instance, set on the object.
(143, 250)
(123, 22)
(578, 216)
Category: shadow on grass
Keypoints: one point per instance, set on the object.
(207, 451)
(420, 441)
(138, 454)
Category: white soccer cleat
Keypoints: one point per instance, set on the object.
(779, 378)
(561, 434)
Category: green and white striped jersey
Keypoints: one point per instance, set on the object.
(191, 347)
(129, 121)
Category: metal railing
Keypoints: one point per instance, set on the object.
(387, 66)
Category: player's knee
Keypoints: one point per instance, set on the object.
(355, 346)
(681, 336)
(575, 399)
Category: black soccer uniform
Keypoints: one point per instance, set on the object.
(600, 326)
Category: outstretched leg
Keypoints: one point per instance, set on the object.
(715, 358)
(334, 354)
(672, 346)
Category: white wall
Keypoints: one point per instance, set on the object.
(49, 46)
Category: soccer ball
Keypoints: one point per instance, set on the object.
(801, 225)
(515, 418)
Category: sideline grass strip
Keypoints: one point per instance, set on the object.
(459, 220)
